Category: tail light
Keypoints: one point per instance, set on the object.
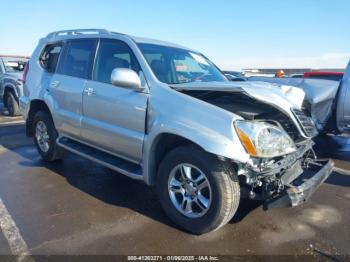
(25, 72)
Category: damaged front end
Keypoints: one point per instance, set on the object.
(284, 181)
(277, 133)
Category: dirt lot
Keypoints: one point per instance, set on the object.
(79, 207)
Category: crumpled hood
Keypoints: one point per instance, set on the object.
(320, 93)
(281, 96)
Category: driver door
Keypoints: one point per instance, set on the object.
(114, 117)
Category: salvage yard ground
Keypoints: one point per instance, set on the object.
(79, 207)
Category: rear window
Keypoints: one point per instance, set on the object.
(77, 58)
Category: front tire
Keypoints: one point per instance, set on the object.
(198, 191)
(12, 105)
(45, 135)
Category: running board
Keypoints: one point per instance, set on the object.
(115, 163)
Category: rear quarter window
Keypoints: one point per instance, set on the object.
(49, 57)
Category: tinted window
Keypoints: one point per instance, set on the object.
(49, 57)
(113, 54)
(77, 58)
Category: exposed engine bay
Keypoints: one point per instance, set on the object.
(262, 178)
(241, 104)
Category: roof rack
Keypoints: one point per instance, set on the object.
(15, 56)
(77, 32)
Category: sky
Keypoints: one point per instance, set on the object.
(234, 34)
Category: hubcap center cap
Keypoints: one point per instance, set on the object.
(190, 190)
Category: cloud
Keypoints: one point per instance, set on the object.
(329, 60)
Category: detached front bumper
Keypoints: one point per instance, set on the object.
(301, 188)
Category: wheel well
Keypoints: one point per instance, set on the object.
(35, 106)
(6, 91)
(164, 143)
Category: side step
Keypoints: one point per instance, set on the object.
(115, 163)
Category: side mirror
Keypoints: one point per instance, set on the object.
(127, 78)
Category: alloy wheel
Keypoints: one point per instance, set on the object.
(42, 136)
(189, 190)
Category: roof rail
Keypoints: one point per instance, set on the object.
(77, 32)
(15, 56)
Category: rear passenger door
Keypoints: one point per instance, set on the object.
(114, 117)
(67, 85)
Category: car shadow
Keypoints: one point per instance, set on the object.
(105, 185)
(246, 206)
(116, 189)
(330, 146)
(336, 147)
(338, 179)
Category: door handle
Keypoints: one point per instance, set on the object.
(55, 84)
(89, 91)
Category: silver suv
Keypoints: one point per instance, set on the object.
(166, 115)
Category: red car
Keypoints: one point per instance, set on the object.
(324, 75)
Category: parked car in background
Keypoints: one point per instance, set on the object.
(235, 75)
(11, 87)
(337, 76)
(166, 115)
(296, 75)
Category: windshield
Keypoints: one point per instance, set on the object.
(14, 64)
(175, 66)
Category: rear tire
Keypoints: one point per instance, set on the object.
(12, 105)
(222, 196)
(45, 135)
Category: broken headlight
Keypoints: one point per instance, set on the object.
(261, 139)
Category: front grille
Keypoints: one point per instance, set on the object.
(290, 128)
(306, 123)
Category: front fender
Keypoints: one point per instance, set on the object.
(209, 140)
(220, 141)
(207, 126)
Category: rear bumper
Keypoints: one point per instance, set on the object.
(299, 190)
